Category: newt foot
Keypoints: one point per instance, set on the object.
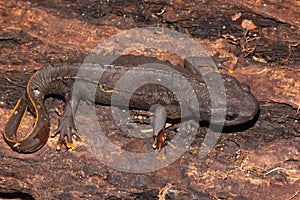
(66, 133)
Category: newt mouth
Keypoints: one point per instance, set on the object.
(241, 117)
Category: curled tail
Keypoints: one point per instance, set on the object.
(38, 135)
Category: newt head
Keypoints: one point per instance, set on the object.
(233, 104)
(242, 106)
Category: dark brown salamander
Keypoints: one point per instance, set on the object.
(192, 99)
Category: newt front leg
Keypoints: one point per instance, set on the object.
(159, 133)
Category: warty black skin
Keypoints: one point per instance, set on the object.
(59, 80)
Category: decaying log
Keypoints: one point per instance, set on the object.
(257, 161)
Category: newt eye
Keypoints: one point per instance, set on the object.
(245, 87)
(231, 116)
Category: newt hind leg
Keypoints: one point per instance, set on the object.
(66, 128)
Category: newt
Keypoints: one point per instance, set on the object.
(59, 80)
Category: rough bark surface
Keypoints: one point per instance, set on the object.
(257, 161)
